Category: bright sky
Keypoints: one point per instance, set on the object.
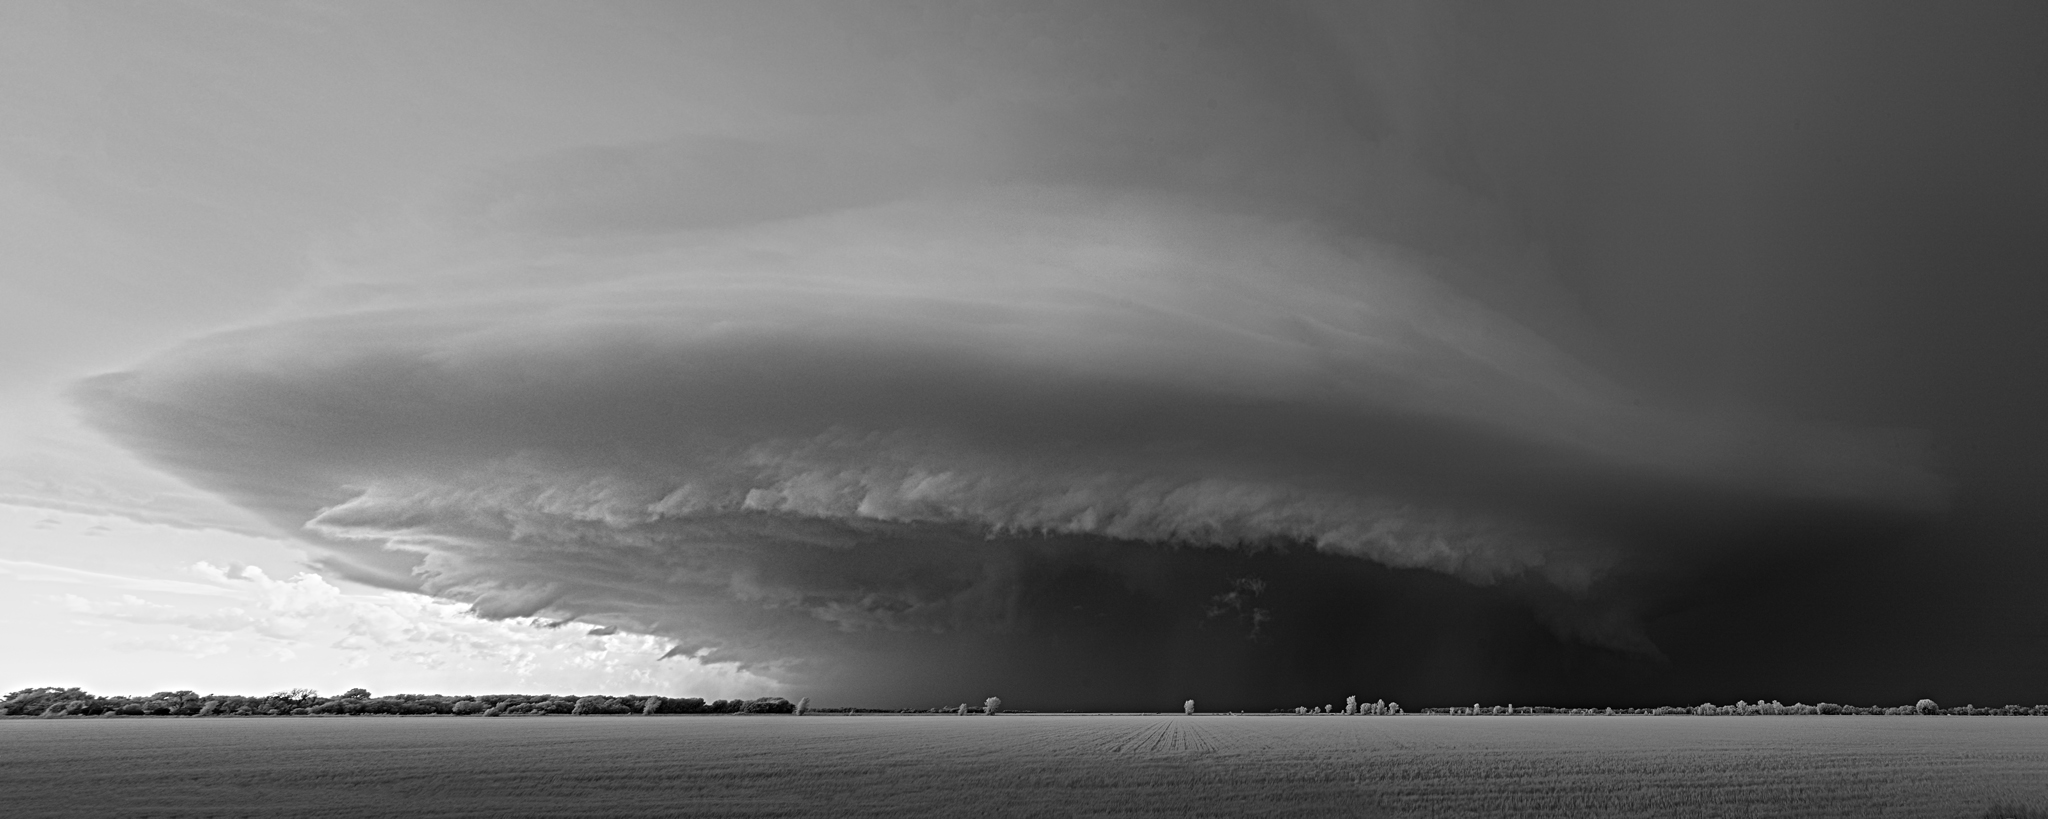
(110, 604)
(174, 168)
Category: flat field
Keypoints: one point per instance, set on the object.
(1175, 765)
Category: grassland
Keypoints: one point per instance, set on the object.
(1171, 765)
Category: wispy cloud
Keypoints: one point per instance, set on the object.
(29, 571)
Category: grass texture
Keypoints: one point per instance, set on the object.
(1055, 765)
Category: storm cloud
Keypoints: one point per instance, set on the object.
(1022, 357)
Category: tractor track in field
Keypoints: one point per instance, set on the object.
(1167, 736)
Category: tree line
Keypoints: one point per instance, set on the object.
(74, 702)
(1741, 708)
(1771, 708)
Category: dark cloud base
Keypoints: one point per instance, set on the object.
(1803, 613)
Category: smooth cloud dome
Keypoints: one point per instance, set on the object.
(756, 439)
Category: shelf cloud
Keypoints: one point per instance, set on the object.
(816, 404)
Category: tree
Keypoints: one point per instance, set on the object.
(1188, 707)
(992, 706)
(296, 698)
(1926, 706)
(597, 705)
(29, 701)
(1350, 705)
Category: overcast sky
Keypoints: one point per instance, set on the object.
(1092, 355)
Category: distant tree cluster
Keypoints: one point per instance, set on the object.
(66, 702)
(1760, 708)
(1353, 707)
(990, 707)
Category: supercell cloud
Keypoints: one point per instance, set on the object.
(895, 413)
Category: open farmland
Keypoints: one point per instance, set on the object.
(1024, 764)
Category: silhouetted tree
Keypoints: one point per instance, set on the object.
(294, 698)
